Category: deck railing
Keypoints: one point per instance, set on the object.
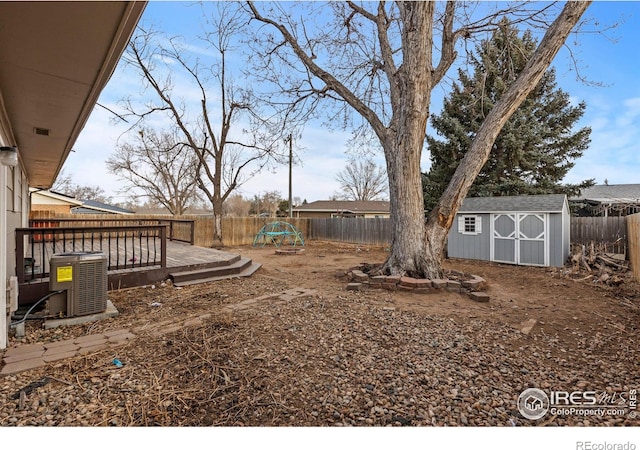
(182, 230)
(126, 246)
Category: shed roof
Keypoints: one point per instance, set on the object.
(520, 203)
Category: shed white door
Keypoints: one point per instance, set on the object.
(519, 238)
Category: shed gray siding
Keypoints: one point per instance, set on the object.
(470, 246)
(555, 240)
(555, 210)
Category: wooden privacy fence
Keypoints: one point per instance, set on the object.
(610, 232)
(357, 230)
(239, 230)
(633, 233)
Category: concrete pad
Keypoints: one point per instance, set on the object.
(22, 357)
(56, 344)
(122, 337)
(93, 343)
(21, 366)
(70, 347)
(111, 311)
(22, 349)
(111, 333)
(59, 356)
(527, 326)
(93, 348)
(82, 340)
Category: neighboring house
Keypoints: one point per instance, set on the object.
(346, 208)
(46, 200)
(527, 230)
(56, 59)
(94, 207)
(607, 200)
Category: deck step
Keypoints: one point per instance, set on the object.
(243, 267)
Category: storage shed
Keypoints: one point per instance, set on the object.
(526, 230)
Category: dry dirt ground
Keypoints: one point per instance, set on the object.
(332, 357)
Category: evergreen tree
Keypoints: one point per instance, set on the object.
(537, 146)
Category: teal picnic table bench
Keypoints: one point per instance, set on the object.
(278, 233)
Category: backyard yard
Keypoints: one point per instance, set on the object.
(290, 346)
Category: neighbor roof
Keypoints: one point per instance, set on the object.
(92, 206)
(373, 206)
(520, 203)
(610, 193)
(35, 192)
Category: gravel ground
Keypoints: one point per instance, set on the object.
(334, 357)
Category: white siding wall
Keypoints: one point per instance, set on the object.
(14, 213)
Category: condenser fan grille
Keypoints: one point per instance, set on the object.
(91, 288)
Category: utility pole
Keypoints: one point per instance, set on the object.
(290, 176)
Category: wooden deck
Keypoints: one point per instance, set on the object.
(179, 254)
(179, 257)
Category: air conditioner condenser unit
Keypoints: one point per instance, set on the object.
(82, 276)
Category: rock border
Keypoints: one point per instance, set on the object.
(463, 283)
(289, 251)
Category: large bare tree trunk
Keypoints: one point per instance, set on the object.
(403, 145)
(217, 225)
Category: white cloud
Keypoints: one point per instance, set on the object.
(614, 153)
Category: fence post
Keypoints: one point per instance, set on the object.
(163, 246)
(633, 243)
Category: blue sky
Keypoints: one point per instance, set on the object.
(613, 112)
